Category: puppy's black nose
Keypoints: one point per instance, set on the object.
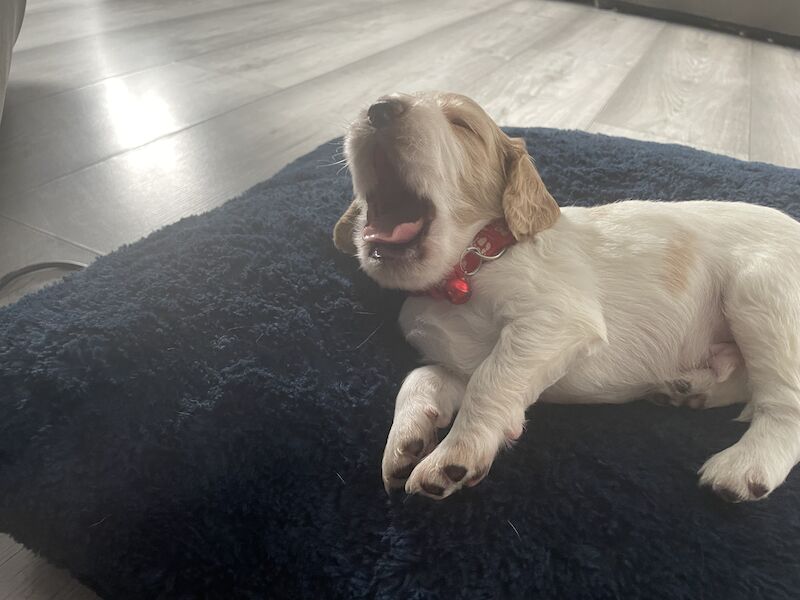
(383, 112)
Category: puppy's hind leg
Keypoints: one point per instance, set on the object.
(764, 314)
(721, 383)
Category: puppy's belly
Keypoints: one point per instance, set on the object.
(643, 354)
(461, 338)
(623, 374)
(575, 389)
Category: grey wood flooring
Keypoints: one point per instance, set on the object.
(122, 117)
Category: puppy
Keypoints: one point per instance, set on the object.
(514, 300)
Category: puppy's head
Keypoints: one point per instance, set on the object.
(429, 170)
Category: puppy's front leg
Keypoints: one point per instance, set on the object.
(528, 358)
(427, 401)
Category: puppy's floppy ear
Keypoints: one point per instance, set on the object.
(528, 206)
(343, 230)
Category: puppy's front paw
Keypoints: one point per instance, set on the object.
(460, 460)
(742, 472)
(413, 436)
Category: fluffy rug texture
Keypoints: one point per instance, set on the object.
(202, 415)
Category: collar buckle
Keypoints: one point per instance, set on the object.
(481, 259)
(455, 287)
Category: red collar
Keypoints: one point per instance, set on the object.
(490, 244)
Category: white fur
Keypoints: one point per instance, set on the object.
(592, 310)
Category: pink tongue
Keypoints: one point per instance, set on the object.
(402, 233)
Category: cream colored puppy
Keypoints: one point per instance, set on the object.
(607, 304)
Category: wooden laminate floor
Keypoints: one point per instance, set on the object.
(122, 117)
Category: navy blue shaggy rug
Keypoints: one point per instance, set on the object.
(202, 415)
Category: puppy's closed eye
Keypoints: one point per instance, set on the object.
(458, 122)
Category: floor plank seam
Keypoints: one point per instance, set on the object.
(265, 96)
(622, 82)
(750, 98)
(628, 75)
(49, 234)
(145, 24)
(20, 549)
(188, 57)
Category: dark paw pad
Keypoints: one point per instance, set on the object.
(682, 386)
(404, 472)
(727, 495)
(660, 399)
(759, 490)
(455, 472)
(414, 447)
(433, 489)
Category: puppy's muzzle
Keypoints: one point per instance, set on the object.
(384, 112)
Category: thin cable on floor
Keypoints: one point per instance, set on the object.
(66, 265)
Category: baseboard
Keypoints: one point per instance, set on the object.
(696, 21)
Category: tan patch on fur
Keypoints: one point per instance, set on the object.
(528, 206)
(678, 262)
(501, 169)
(482, 143)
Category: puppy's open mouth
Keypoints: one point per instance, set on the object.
(398, 218)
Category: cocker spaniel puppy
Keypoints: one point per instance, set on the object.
(513, 300)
